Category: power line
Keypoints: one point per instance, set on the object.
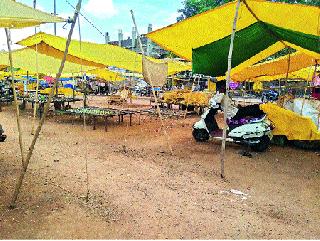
(87, 20)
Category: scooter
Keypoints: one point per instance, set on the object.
(2, 136)
(249, 126)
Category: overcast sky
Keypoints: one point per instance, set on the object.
(107, 15)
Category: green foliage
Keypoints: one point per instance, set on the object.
(193, 7)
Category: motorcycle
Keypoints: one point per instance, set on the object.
(2, 135)
(269, 96)
(247, 126)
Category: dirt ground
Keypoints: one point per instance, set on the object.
(139, 191)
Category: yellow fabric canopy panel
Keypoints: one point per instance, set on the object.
(282, 65)
(45, 48)
(289, 124)
(17, 15)
(216, 24)
(103, 54)
(107, 75)
(186, 97)
(67, 92)
(26, 60)
(304, 74)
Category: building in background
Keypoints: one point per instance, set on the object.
(150, 48)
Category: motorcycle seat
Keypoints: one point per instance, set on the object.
(246, 120)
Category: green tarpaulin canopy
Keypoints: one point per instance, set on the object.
(212, 59)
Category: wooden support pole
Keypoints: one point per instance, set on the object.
(288, 69)
(130, 116)
(15, 96)
(140, 117)
(46, 109)
(225, 109)
(73, 89)
(94, 122)
(36, 97)
(106, 124)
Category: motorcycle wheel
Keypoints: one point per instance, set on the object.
(200, 135)
(263, 145)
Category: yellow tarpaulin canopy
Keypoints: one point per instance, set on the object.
(103, 54)
(17, 73)
(45, 49)
(302, 74)
(282, 65)
(17, 15)
(181, 38)
(107, 75)
(289, 124)
(67, 92)
(26, 60)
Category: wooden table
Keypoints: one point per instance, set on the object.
(94, 114)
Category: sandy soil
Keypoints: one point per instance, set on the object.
(138, 190)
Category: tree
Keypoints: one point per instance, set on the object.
(193, 7)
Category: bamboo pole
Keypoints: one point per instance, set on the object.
(15, 96)
(84, 79)
(152, 86)
(36, 98)
(225, 109)
(187, 105)
(288, 69)
(46, 109)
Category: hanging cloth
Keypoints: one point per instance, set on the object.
(155, 73)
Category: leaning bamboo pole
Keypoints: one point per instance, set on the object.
(46, 109)
(152, 86)
(226, 100)
(15, 96)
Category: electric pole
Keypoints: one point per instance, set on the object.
(35, 6)
(107, 37)
(55, 13)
